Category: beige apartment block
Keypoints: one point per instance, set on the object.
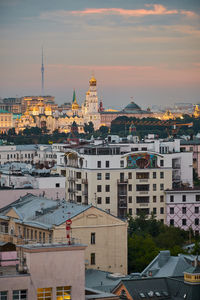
(34, 219)
(105, 237)
(122, 184)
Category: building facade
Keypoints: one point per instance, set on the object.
(183, 209)
(55, 271)
(36, 219)
(127, 178)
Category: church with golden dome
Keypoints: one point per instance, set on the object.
(40, 113)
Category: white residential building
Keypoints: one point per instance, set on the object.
(127, 178)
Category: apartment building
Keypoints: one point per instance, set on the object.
(36, 219)
(194, 147)
(183, 208)
(127, 178)
(50, 271)
(18, 153)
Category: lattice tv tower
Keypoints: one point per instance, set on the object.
(42, 72)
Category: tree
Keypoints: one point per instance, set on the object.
(11, 131)
(141, 251)
(103, 130)
(89, 128)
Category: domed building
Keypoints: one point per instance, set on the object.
(131, 110)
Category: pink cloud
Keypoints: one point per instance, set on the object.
(157, 10)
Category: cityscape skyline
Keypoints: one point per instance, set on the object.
(146, 50)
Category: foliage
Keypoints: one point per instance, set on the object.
(147, 237)
(89, 128)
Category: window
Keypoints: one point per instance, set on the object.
(57, 184)
(142, 211)
(130, 199)
(92, 259)
(184, 222)
(121, 164)
(161, 186)
(107, 164)
(92, 239)
(162, 210)
(154, 198)
(196, 210)
(130, 187)
(107, 188)
(44, 237)
(171, 210)
(154, 187)
(98, 164)
(3, 295)
(144, 199)
(129, 175)
(197, 197)
(162, 163)
(154, 210)
(196, 221)
(63, 292)
(171, 198)
(98, 200)
(154, 175)
(20, 294)
(107, 176)
(78, 175)
(99, 188)
(98, 176)
(31, 234)
(142, 175)
(107, 200)
(40, 236)
(142, 187)
(78, 199)
(183, 198)
(183, 210)
(44, 294)
(161, 198)
(161, 175)
(130, 211)
(78, 187)
(36, 235)
(4, 227)
(172, 222)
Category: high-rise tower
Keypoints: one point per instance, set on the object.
(42, 72)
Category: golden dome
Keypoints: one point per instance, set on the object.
(93, 81)
(88, 92)
(48, 108)
(35, 108)
(75, 105)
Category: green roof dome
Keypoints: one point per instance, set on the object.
(132, 106)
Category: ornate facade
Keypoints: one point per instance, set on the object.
(41, 114)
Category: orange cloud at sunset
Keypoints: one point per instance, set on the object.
(157, 10)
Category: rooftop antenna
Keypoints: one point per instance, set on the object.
(42, 72)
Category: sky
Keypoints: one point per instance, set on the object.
(146, 51)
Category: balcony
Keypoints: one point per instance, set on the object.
(71, 190)
(176, 166)
(84, 181)
(176, 178)
(143, 204)
(71, 178)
